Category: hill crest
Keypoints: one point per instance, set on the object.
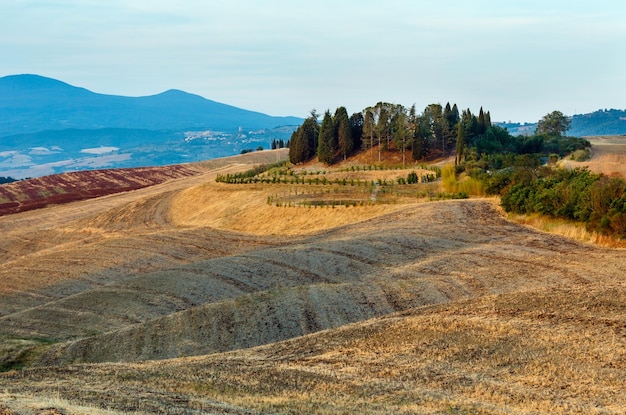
(48, 126)
(32, 103)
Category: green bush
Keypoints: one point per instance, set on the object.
(579, 195)
(580, 155)
(412, 178)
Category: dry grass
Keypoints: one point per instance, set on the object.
(569, 229)
(245, 209)
(411, 308)
(555, 351)
(608, 156)
(49, 405)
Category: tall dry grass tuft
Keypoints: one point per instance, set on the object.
(448, 176)
(467, 185)
(572, 230)
(473, 187)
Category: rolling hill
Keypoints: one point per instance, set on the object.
(48, 126)
(192, 296)
(598, 123)
(32, 103)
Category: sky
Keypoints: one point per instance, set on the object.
(518, 59)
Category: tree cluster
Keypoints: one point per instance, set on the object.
(4, 180)
(387, 126)
(337, 136)
(276, 144)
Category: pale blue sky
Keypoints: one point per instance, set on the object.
(518, 59)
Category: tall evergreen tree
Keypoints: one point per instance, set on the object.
(451, 117)
(482, 125)
(356, 129)
(325, 152)
(303, 143)
(343, 132)
(382, 127)
(456, 115)
(433, 116)
(460, 144)
(400, 130)
(369, 130)
(470, 126)
(295, 147)
(421, 134)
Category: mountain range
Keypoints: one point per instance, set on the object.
(48, 126)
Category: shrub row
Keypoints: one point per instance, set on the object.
(595, 199)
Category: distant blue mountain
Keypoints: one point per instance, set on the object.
(601, 122)
(48, 126)
(32, 103)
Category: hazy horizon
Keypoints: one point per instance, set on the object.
(281, 58)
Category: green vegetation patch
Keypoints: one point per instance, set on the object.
(15, 354)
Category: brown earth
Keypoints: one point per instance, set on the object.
(441, 307)
(608, 156)
(29, 194)
(58, 189)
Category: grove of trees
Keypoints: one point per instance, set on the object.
(385, 127)
(514, 168)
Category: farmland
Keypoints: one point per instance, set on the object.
(195, 296)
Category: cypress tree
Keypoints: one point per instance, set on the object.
(344, 132)
(309, 138)
(303, 141)
(455, 114)
(356, 129)
(382, 126)
(325, 152)
(369, 126)
(420, 140)
(400, 131)
(460, 144)
(482, 126)
(295, 149)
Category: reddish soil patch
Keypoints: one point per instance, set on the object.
(70, 187)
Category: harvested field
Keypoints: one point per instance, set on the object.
(30, 194)
(608, 156)
(199, 297)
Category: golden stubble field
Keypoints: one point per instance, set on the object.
(200, 297)
(608, 156)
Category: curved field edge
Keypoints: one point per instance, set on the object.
(557, 351)
(424, 254)
(58, 189)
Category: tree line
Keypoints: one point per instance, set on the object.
(385, 126)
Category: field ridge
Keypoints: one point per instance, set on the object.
(162, 300)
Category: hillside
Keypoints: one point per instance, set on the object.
(598, 123)
(31, 103)
(552, 351)
(48, 127)
(395, 305)
(608, 156)
(58, 189)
